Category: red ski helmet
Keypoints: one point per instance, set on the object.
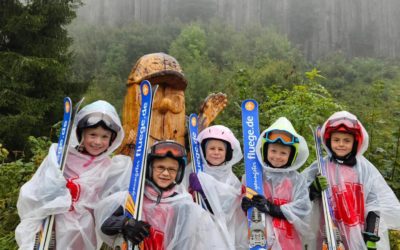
(344, 125)
(164, 149)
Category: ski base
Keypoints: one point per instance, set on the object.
(133, 204)
(45, 237)
(257, 233)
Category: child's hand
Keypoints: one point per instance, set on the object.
(246, 204)
(132, 230)
(136, 231)
(258, 201)
(320, 183)
(194, 184)
(317, 186)
(263, 205)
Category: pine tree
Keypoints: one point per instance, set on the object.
(35, 63)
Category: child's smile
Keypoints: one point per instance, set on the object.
(164, 171)
(278, 154)
(96, 140)
(342, 143)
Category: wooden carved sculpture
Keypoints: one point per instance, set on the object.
(168, 114)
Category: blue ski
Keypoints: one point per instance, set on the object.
(197, 162)
(133, 204)
(43, 238)
(256, 221)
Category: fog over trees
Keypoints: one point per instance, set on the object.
(302, 59)
(317, 27)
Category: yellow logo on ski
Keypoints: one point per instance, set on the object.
(249, 106)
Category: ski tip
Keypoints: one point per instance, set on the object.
(80, 102)
(145, 82)
(67, 99)
(155, 87)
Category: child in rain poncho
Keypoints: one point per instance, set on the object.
(171, 220)
(219, 186)
(281, 152)
(72, 195)
(358, 192)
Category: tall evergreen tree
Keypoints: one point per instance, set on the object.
(34, 67)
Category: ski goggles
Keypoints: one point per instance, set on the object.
(166, 148)
(94, 118)
(280, 135)
(343, 121)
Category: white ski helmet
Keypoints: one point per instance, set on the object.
(218, 132)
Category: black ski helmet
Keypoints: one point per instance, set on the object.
(164, 149)
(94, 120)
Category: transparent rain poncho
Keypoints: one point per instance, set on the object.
(46, 193)
(176, 221)
(224, 190)
(355, 191)
(287, 188)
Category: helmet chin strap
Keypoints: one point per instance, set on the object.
(80, 146)
(349, 159)
(159, 189)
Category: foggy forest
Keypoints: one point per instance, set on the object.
(300, 59)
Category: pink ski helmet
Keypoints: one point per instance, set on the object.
(218, 132)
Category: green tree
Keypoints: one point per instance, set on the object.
(303, 21)
(369, 88)
(34, 67)
(12, 176)
(190, 49)
(307, 103)
(105, 55)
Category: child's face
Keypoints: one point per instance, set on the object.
(164, 171)
(96, 140)
(342, 143)
(278, 154)
(215, 152)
